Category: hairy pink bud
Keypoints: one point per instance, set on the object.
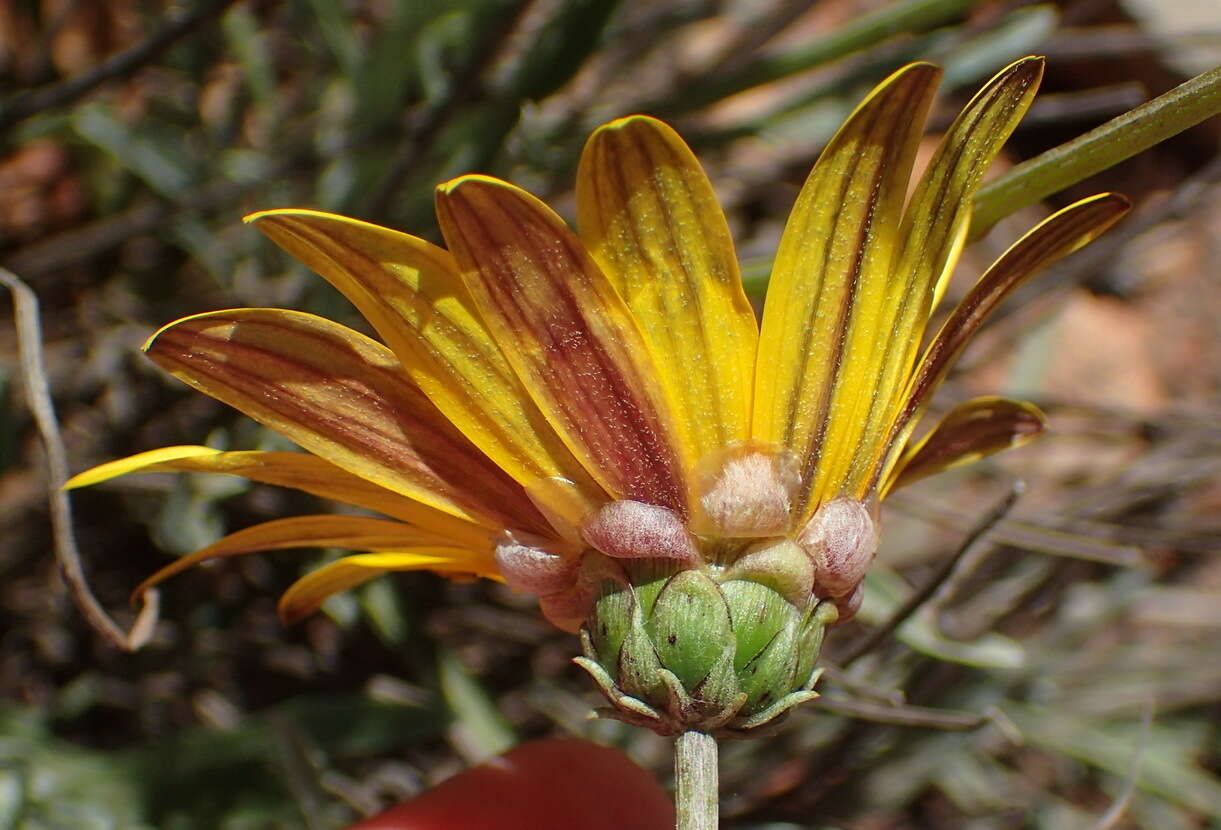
(634, 530)
(531, 569)
(841, 539)
(750, 496)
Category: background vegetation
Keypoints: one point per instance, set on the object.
(1064, 675)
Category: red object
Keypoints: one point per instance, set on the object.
(555, 784)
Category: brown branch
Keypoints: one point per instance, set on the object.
(38, 395)
(25, 104)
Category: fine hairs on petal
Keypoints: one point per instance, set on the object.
(750, 496)
(532, 569)
(635, 530)
(841, 538)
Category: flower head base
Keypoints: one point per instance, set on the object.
(600, 420)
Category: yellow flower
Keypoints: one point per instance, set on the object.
(546, 399)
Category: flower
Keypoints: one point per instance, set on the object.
(598, 419)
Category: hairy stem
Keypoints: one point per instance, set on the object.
(695, 781)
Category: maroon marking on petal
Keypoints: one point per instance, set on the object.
(879, 126)
(336, 396)
(976, 428)
(536, 283)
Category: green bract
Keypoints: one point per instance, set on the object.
(686, 649)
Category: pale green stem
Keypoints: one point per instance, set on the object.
(1120, 138)
(695, 781)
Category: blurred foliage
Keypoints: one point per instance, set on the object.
(1064, 677)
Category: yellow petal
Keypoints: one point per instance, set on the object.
(346, 399)
(831, 283)
(150, 461)
(329, 531)
(969, 432)
(930, 239)
(652, 222)
(308, 593)
(933, 226)
(410, 291)
(1057, 236)
(299, 471)
(568, 335)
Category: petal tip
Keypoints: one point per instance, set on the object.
(290, 614)
(630, 121)
(467, 180)
(1031, 66)
(926, 68)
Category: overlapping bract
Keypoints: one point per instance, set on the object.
(531, 374)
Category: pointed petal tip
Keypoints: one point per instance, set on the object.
(1121, 203)
(134, 463)
(1030, 67)
(273, 213)
(629, 121)
(136, 599)
(451, 187)
(970, 431)
(152, 338)
(291, 613)
(924, 69)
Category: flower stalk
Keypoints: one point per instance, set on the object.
(695, 781)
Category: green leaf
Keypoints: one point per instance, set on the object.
(562, 46)
(1165, 766)
(150, 150)
(482, 729)
(249, 43)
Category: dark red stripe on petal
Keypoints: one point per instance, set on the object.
(874, 184)
(567, 334)
(970, 431)
(343, 397)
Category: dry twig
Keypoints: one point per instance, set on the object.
(38, 395)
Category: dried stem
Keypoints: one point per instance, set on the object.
(38, 393)
(695, 781)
